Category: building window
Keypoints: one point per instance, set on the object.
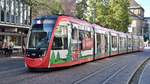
(21, 13)
(17, 12)
(8, 10)
(25, 14)
(29, 15)
(2, 10)
(12, 12)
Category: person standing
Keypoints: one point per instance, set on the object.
(5, 47)
(11, 45)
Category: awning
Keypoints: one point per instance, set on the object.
(14, 26)
(11, 34)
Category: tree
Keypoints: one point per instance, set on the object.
(69, 7)
(102, 10)
(109, 13)
(81, 9)
(51, 7)
(118, 17)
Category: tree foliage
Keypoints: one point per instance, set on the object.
(118, 15)
(108, 13)
(44, 7)
(81, 9)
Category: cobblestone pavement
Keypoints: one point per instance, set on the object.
(113, 70)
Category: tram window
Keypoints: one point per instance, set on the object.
(88, 34)
(60, 43)
(114, 42)
(74, 34)
(65, 43)
(57, 43)
(129, 42)
(98, 43)
(125, 42)
(106, 42)
(75, 37)
(87, 42)
(81, 37)
(103, 43)
(133, 42)
(121, 43)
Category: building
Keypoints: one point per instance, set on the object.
(137, 18)
(14, 21)
(147, 28)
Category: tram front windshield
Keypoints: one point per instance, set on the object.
(40, 35)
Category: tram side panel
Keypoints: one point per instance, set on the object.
(101, 43)
(69, 43)
(129, 43)
(135, 43)
(79, 48)
(122, 43)
(141, 43)
(114, 44)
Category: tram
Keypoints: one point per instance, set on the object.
(62, 41)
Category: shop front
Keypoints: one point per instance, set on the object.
(12, 38)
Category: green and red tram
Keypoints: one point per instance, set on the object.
(62, 41)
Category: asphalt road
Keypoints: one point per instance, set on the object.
(113, 70)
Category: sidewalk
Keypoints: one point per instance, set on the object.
(14, 55)
(146, 47)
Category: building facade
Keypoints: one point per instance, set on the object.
(14, 21)
(137, 18)
(147, 28)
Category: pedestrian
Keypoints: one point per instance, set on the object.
(146, 43)
(5, 47)
(10, 47)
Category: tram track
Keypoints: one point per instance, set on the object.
(135, 77)
(92, 74)
(21, 74)
(106, 68)
(110, 76)
(114, 74)
(43, 75)
(106, 78)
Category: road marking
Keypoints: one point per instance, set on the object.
(114, 74)
(92, 74)
(142, 74)
(14, 57)
(12, 70)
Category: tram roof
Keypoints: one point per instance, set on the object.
(121, 34)
(47, 17)
(129, 35)
(100, 27)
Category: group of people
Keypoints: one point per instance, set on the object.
(7, 48)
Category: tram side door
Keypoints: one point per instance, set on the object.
(75, 43)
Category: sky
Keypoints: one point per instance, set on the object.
(146, 5)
